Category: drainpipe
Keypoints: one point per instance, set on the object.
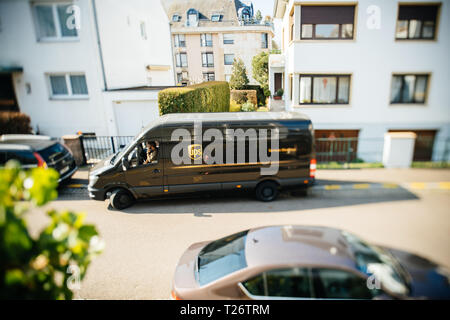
(94, 7)
(173, 57)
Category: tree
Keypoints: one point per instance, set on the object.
(260, 65)
(239, 75)
(48, 266)
(258, 16)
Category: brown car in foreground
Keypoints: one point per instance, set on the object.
(304, 262)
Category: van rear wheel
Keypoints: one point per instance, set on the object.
(121, 199)
(266, 191)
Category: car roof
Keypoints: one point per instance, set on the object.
(298, 245)
(11, 146)
(31, 144)
(13, 137)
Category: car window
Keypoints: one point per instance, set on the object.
(23, 156)
(287, 283)
(339, 284)
(2, 157)
(222, 257)
(145, 152)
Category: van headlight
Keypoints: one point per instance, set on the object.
(92, 180)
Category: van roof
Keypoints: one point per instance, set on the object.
(231, 116)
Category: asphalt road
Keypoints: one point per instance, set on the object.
(404, 209)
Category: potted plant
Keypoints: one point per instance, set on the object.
(278, 94)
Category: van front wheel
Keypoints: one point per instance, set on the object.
(121, 199)
(267, 191)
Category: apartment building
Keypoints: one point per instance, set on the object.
(362, 68)
(208, 35)
(89, 66)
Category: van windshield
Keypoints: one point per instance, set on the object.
(222, 257)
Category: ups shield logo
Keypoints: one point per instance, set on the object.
(195, 151)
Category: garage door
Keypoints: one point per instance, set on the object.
(132, 116)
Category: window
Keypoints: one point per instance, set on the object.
(228, 38)
(207, 59)
(68, 85)
(56, 21)
(206, 40)
(228, 77)
(327, 22)
(229, 58)
(176, 18)
(180, 40)
(144, 153)
(291, 86)
(216, 17)
(409, 88)
(208, 76)
(416, 22)
(143, 31)
(264, 41)
(182, 76)
(324, 89)
(192, 17)
(287, 283)
(26, 158)
(222, 257)
(181, 60)
(339, 284)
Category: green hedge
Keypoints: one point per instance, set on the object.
(211, 96)
(259, 93)
(12, 122)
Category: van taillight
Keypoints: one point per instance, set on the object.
(174, 296)
(41, 162)
(312, 168)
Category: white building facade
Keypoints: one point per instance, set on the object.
(89, 66)
(362, 68)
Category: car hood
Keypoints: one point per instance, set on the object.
(101, 167)
(428, 279)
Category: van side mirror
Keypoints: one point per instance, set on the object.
(125, 164)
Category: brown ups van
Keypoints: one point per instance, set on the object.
(202, 152)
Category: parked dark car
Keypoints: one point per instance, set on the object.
(38, 151)
(145, 168)
(304, 262)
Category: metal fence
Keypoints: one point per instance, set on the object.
(97, 148)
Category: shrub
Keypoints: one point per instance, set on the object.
(234, 106)
(260, 66)
(212, 96)
(46, 266)
(260, 96)
(262, 109)
(242, 96)
(248, 107)
(279, 92)
(239, 75)
(12, 122)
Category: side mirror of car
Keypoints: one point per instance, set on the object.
(125, 164)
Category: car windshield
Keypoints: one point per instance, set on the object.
(377, 261)
(222, 257)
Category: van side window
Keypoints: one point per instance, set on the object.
(145, 152)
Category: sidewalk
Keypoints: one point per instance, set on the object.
(384, 175)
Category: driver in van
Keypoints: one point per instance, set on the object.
(152, 152)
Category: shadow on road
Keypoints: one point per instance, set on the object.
(205, 205)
